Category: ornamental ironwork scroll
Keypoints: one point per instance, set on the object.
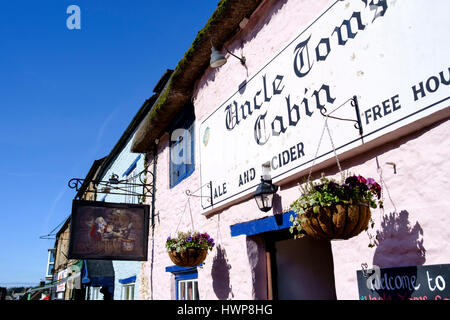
(354, 102)
(116, 186)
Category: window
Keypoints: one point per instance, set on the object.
(127, 288)
(95, 294)
(182, 145)
(127, 292)
(51, 263)
(187, 290)
(186, 282)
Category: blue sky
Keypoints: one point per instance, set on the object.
(66, 96)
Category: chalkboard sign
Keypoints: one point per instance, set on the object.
(405, 283)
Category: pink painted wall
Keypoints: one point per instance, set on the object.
(412, 229)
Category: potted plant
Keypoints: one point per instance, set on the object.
(189, 249)
(332, 210)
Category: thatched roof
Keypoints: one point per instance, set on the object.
(221, 26)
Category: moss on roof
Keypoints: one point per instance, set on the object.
(223, 24)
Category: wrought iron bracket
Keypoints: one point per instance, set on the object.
(190, 193)
(116, 186)
(354, 103)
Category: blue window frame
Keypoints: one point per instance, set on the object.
(182, 145)
(186, 283)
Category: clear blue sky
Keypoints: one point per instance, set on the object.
(66, 96)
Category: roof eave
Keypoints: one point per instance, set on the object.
(223, 24)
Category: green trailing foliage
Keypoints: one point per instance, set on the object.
(352, 189)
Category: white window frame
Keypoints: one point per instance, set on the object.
(50, 263)
(127, 291)
(95, 293)
(194, 287)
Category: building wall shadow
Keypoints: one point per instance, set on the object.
(397, 243)
(220, 274)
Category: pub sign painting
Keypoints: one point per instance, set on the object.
(105, 230)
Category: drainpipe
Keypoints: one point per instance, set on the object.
(155, 151)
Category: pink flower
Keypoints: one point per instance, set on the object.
(361, 179)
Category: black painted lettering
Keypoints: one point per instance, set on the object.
(274, 164)
(285, 155)
(395, 103)
(295, 110)
(416, 91)
(432, 84)
(256, 105)
(261, 136)
(348, 26)
(276, 84)
(443, 80)
(266, 98)
(386, 107)
(380, 4)
(302, 63)
(252, 174)
(376, 112)
(316, 94)
(319, 55)
(249, 110)
(367, 114)
(305, 102)
(281, 129)
(293, 154)
(300, 149)
(231, 118)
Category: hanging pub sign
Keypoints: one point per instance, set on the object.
(105, 230)
(405, 283)
(389, 54)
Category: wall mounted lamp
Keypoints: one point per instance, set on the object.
(114, 179)
(218, 59)
(265, 190)
(264, 194)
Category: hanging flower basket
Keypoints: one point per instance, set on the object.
(340, 221)
(189, 249)
(329, 210)
(191, 257)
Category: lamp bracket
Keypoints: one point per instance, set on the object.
(242, 59)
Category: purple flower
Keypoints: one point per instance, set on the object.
(189, 239)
